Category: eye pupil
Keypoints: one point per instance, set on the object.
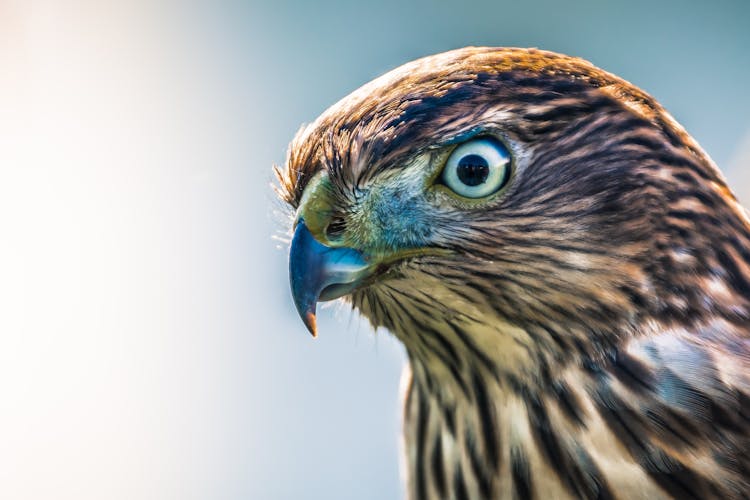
(472, 170)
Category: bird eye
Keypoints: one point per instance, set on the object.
(477, 168)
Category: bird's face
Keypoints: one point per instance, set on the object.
(517, 188)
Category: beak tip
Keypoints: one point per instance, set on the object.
(311, 324)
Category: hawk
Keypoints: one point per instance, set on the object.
(566, 267)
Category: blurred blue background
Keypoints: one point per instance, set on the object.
(149, 347)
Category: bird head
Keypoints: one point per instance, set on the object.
(525, 199)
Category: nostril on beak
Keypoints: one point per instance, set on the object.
(335, 229)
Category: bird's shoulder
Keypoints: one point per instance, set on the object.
(677, 364)
(679, 400)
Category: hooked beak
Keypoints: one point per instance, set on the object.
(319, 273)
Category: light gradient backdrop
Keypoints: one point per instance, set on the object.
(149, 348)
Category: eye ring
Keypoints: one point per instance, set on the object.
(477, 168)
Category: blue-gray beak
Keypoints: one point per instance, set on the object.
(318, 273)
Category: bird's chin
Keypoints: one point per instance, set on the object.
(384, 270)
(334, 292)
(338, 290)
